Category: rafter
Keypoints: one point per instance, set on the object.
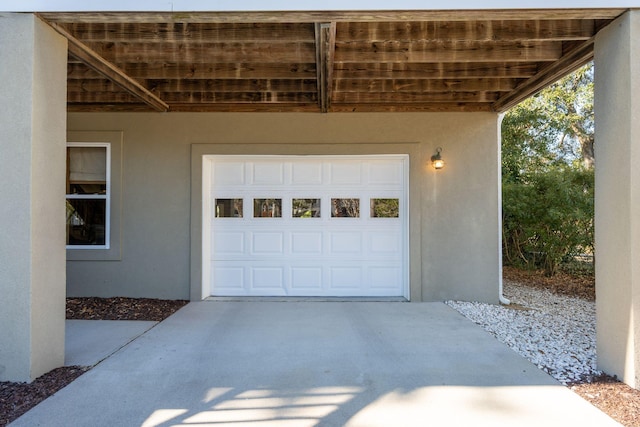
(426, 85)
(571, 61)
(178, 32)
(161, 86)
(325, 49)
(443, 51)
(343, 16)
(208, 70)
(520, 30)
(433, 70)
(429, 107)
(261, 52)
(413, 97)
(110, 71)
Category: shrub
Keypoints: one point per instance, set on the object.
(547, 217)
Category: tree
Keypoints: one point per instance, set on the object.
(547, 174)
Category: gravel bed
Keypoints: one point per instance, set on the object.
(555, 332)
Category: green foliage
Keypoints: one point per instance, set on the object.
(385, 208)
(547, 174)
(548, 217)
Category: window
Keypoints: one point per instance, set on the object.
(345, 208)
(385, 208)
(88, 195)
(305, 208)
(229, 208)
(267, 208)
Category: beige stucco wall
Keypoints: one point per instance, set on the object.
(32, 165)
(617, 201)
(454, 213)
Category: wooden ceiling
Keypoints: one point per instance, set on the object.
(321, 61)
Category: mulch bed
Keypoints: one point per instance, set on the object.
(122, 308)
(618, 400)
(18, 398)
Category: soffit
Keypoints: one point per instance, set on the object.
(321, 61)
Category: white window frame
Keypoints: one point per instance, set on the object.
(106, 196)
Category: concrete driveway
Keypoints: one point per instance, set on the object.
(283, 364)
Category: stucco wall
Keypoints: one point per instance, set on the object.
(454, 213)
(617, 201)
(32, 159)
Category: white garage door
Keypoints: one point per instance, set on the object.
(305, 226)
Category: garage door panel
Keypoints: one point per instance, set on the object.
(267, 173)
(345, 242)
(384, 277)
(229, 243)
(228, 278)
(385, 242)
(345, 173)
(306, 278)
(229, 173)
(267, 243)
(306, 243)
(267, 278)
(345, 277)
(385, 173)
(306, 173)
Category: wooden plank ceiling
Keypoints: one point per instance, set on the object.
(322, 61)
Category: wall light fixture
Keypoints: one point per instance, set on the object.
(436, 159)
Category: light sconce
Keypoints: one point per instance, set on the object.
(436, 159)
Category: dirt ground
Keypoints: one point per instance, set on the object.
(617, 399)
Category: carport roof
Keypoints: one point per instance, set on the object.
(462, 60)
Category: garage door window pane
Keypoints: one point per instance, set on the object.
(385, 208)
(305, 208)
(229, 208)
(345, 208)
(267, 208)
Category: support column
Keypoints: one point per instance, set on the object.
(32, 202)
(617, 197)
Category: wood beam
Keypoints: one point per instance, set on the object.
(287, 108)
(311, 107)
(403, 70)
(102, 97)
(110, 71)
(107, 97)
(200, 85)
(107, 108)
(257, 52)
(569, 62)
(424, 51)
(409, 108)
(325, 49)
(240, 97)
(208, 70)
(179, 32)
(341, 16)
(195, 108)
(430, 85)
(521, 30)
(412, 97)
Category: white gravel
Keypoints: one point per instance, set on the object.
(556, 333)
